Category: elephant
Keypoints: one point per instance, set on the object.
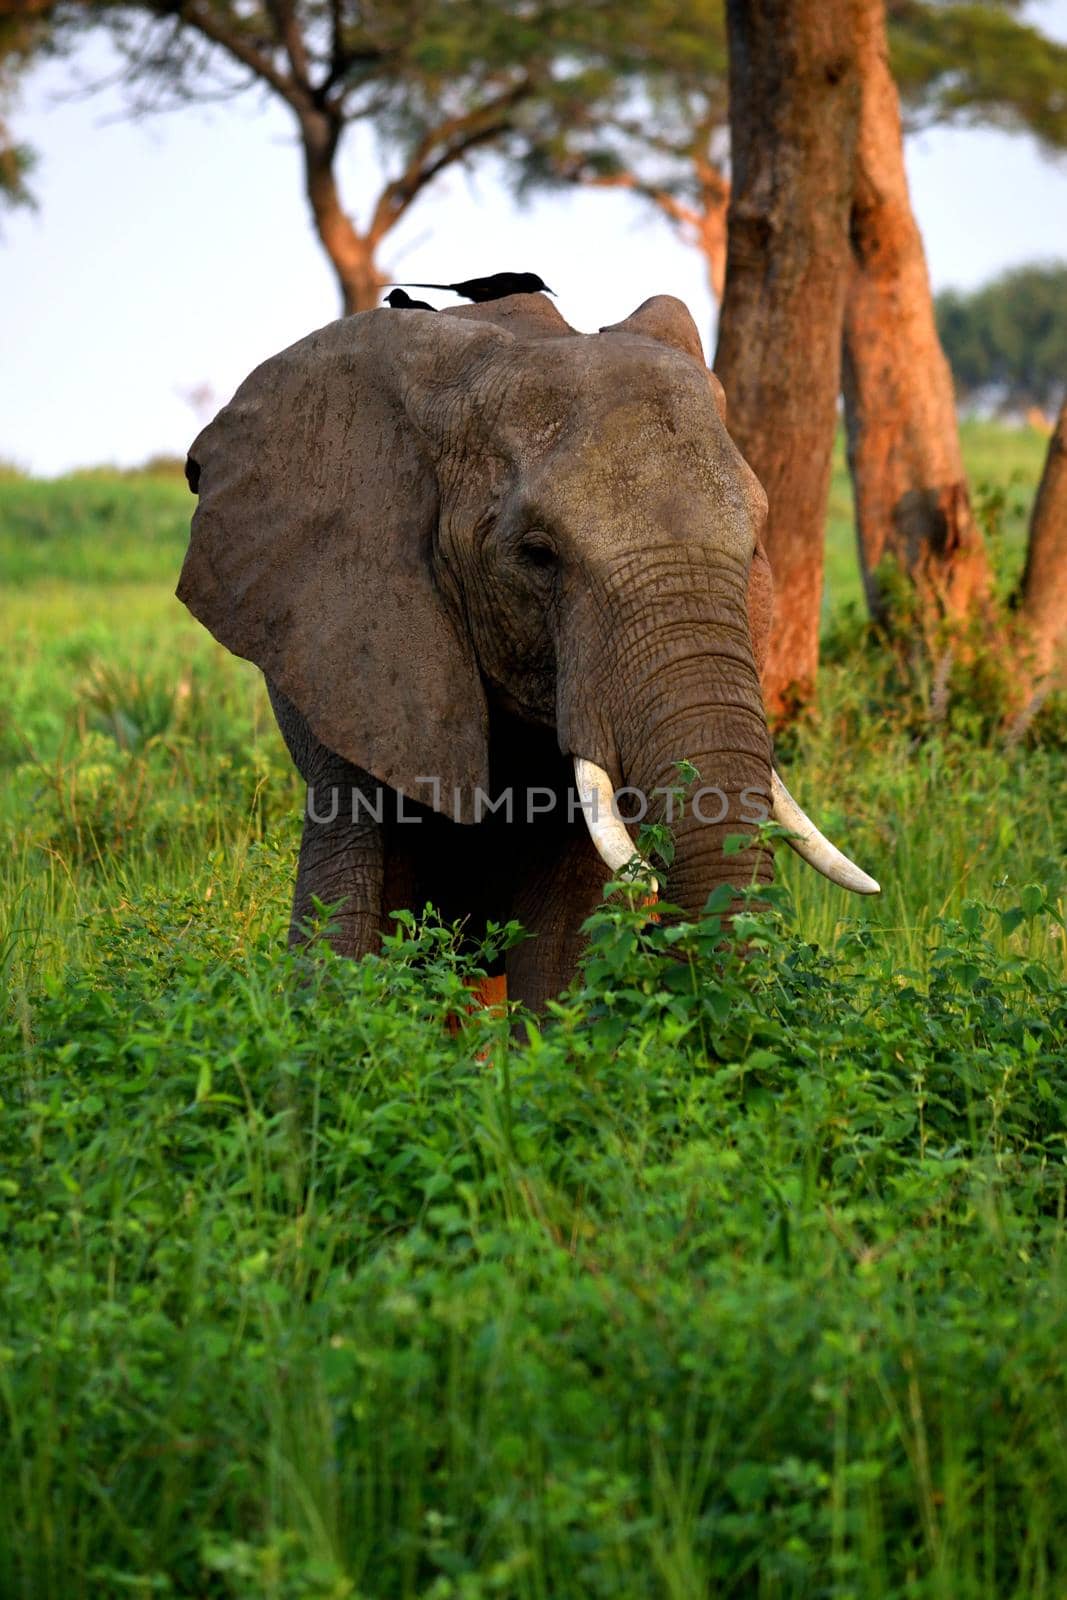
(478, 553)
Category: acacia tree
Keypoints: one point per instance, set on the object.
(968, 63)
(972, 63)
(956, 63)
(436, 79)
(656, 127)
(694, 197)
(794, 112)
(910, 488)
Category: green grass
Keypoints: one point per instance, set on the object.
(731, 1280)
(1004, 468)
(94, 528)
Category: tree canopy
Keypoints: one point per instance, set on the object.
(21, 37)
(979, 63)
(623, 93)
(659, 126)
(435, 79)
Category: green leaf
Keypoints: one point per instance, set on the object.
(1032, 899)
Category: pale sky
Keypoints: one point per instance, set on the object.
(177, 252)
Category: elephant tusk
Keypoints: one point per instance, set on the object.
(606, 828)
(816, 850)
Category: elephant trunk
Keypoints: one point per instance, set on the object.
(717, 727)
(679, 683)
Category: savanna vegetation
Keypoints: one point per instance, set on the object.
(728, 1278)
(741, 1271)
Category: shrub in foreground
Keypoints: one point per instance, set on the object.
(734, 1278)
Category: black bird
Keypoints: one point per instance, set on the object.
(403, 302)
(495, 287)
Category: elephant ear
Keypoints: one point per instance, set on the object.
(668, 321)
(311, 547)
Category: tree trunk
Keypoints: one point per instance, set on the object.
(794, 108)
(911, 497)
(351, 253)
(1043, 607)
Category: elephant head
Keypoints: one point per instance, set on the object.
(413, 522)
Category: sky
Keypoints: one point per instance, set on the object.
(174, 254)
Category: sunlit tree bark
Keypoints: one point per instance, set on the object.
(794, 109)
(912, 501)
(1043, 595)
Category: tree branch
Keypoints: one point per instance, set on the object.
(288, 32)
(337, 47)
(677, 210)
(208, 25)
(458, 135)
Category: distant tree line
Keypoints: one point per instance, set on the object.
(1007, 341)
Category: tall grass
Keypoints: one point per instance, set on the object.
(731, 1279)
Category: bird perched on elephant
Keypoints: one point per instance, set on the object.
(485, 556)
(497, 286)
(400, 300)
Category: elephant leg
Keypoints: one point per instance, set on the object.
(341, 865)
(341, 851)
(341, 859)
(560, 884)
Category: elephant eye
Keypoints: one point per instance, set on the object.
(537, 550)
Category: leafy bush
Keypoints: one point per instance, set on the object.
(738, 1276)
